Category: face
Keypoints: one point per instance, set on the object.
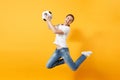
(68, 20)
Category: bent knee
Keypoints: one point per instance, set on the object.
(74, 68)
(48, 66)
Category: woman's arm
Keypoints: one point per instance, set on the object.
(51, 27)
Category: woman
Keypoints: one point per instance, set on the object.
(61, 54)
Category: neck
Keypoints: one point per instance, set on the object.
(66, 24)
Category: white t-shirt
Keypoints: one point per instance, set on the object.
(60, 39)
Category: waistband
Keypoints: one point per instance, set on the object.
(63, 48)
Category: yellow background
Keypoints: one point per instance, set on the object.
(26, 43)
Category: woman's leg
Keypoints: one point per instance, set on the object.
(59, 62)
(55, 60)
(66, 56)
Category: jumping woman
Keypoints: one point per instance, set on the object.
(61, 54)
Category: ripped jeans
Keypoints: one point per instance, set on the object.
(61, 56)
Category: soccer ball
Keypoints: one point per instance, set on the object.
(46, 13)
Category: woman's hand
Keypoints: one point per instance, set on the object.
(48, 18)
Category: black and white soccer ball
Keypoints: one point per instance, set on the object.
(46, 13)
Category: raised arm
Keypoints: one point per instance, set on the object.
(51, 27)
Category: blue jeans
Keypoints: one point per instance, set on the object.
(61, 56)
